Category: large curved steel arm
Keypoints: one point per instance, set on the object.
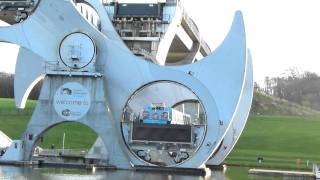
(222, 72)
(240, 118)
(124, 73)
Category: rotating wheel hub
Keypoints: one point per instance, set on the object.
(77, 50)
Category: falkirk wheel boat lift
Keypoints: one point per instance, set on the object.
(146, 114)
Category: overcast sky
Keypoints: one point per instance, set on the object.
(280, 33)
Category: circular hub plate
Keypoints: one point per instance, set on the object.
(77, 50)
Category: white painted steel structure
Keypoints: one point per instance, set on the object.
(221, 81)
(239, 119)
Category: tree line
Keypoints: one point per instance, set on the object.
(7, 87)
(301, 88)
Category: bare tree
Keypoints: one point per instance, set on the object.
(7, 87)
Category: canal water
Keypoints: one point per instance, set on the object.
(25, 173)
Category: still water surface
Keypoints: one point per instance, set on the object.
(19, 173)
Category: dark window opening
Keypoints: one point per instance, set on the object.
(30, 137)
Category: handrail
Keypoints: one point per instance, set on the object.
(54, 66)
(62, 152)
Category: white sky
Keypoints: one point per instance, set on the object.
(280, 33)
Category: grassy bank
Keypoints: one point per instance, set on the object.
(280, 140)
(13, 123)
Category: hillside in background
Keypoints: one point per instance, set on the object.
(294, 86)
(263, 104)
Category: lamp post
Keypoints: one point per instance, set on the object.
(63, 140)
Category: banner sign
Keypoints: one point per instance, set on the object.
(72, 101)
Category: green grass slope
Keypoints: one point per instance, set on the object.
(279, 131)
(13, 123)
(280, 140)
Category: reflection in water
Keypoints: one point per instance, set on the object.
(8, 172)
(26, 173)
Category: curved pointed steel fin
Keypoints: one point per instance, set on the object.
(222, 72)
(29, 71)
(240, 118)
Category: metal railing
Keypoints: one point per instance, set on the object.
(62, 152)
(57, 69)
